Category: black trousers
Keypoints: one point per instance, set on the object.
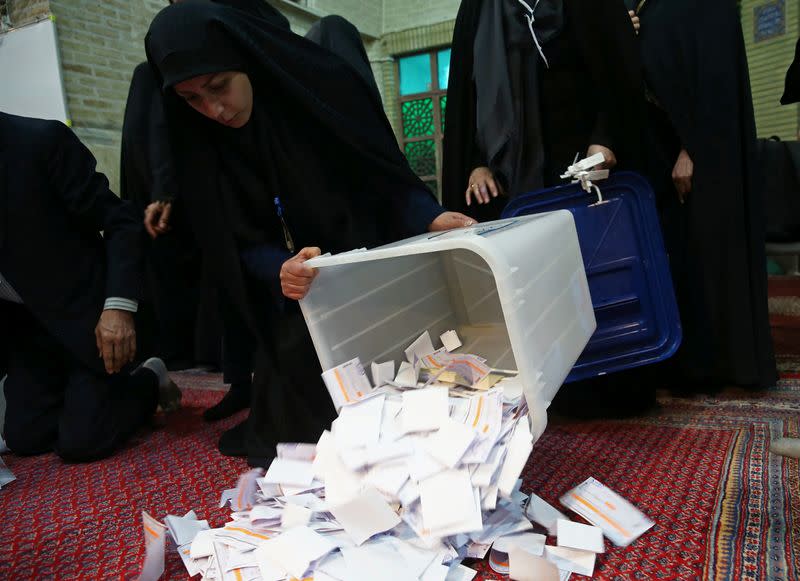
(55, 402)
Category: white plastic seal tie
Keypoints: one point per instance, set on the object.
(582, 172)
(531, 19)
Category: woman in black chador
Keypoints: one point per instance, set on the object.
(533, 84)
(702, 164)
(281, 148)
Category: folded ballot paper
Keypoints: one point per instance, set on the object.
(411, 479)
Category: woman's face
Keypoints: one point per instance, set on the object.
(226, 97)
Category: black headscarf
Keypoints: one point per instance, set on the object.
(146, 172)
(257, 8)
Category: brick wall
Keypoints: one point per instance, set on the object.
(24, 12)
(768, 61)
(101, 42)
(406, 14)
(365, 14)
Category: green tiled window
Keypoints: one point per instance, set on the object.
(423, 102)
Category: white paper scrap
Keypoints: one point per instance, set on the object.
(341, 483)
(450, 340)
(449, 444)
(579, 536)
(359, 424)
(347, 383)
(388, 477)
(540, 512)
(262, 514)
(424, 409)
(519, 449)
(420, 348)
(226, 496)
(365, 516)
(531, 542)
(155, 546)
(269, 569)
(295, 549)
(184, 528)
(290, 472)
(305, 452)
(382, 373)
(421, 465)
(202, 545)
(460, 573)
(373, 561)
(446, 498)
(573, 560)
(526, 566)
(295, 515)
(621, 522)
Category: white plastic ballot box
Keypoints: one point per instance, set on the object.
(515, 290)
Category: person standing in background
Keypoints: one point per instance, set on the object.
(701, 161)
(531, 86)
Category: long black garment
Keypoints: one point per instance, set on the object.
(169, 306)
(700, 100)
(323, 145)
(588, 93)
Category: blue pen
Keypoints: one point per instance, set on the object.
(287, 236)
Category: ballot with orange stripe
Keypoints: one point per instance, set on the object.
(620, 520)
(347, 383)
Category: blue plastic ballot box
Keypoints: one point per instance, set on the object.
(627, 268)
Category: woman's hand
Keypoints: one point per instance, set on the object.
(156, 218)
(637, 24)
(296, 277)
(682, 175)
(450, 221)
(611, 159)
(481, 186)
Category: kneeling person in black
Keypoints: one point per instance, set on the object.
(67, 298)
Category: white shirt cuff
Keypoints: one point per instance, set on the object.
(120, 304)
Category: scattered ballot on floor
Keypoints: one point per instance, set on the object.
(412, 478)
(620, 521)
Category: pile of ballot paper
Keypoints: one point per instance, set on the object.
(417, 473)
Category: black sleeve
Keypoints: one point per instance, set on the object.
(608, 46)
(86, 195)
(415, 210)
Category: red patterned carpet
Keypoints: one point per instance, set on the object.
(724, 507)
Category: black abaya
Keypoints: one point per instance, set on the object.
(589, 94)
(700, 97)
(169, 306)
